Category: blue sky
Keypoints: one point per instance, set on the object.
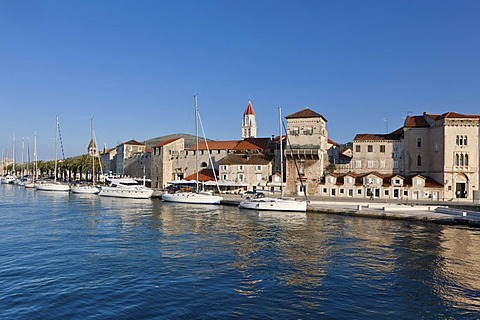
(135, 66)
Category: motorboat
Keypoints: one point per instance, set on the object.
(8, 179)
(125, 188)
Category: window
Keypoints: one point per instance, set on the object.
(461, 140)
(358, 148)
(324, 190)
(359, 191)
(241, 167)
(308, 131)
(241, 177)
(382, 148)
(203, 165)
(397, 181)
(224, 176)
(370, 164)
(358, 163)
(258, 168)
(295, 131)
(386, 192)
(465, 140)
(370, 148)
(457, 160)
(342, 191)
(461, 159)
(419, 160)
(382, 163)
(330, 179)
(466, 159)
(224, 167)
(419, 142)
(395, 164)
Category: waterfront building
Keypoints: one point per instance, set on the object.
(125, 151)
(305, 152)
(165, 162)
(241, 172)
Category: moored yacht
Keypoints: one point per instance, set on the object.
(125, 188)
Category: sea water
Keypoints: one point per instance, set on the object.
(70, 256)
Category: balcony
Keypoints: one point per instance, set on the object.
(303, 152)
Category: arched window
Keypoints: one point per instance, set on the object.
(419, 142)
(203, 165)
(457, 160)
(419, 160)
(466, 159)
(461, 159)
(465, 140)
(457, 142)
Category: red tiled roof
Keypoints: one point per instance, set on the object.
(249, 109)
(305, 113)
(164, 143)
(451, 115)
(246, 144)
(332, 142)
(203, 175)
(216, 145)
(134, 142)
(233, 159)
(416, 122)
(396, 135)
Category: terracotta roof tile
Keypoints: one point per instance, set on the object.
(396, 135)
(255, 159)
(416, 122)
(164, 143)
(203, 175)
(134, 142)
(305, 113)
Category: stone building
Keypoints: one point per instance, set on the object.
(305, 152)
(126, 150)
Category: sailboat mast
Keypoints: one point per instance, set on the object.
(56, 148)
(35, 171)
(93, 153)
(196, 137)
(281, 149)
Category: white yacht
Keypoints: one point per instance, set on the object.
(205, 197)
(84, 188)
(273, 204)
(8, 179)
(51, 186)
(125, 188)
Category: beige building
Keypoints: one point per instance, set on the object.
(242, 172)
(381, 153)
(446, 148)
(305, 152)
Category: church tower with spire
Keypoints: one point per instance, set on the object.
(249, 125)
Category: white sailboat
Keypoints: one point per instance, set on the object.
(197, 196)
(31, 182)
(89, 188)
(53, 185)
(275, 204)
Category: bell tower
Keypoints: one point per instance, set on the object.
(249, 125)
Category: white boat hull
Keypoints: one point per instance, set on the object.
(52, 186)
(192, 197)
(120, 192)
(273, 204)
(85, 189)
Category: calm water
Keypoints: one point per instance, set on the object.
(86, 257)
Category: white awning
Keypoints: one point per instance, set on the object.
(183, 181)
(226, 184)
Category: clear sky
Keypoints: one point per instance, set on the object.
(135, 66)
